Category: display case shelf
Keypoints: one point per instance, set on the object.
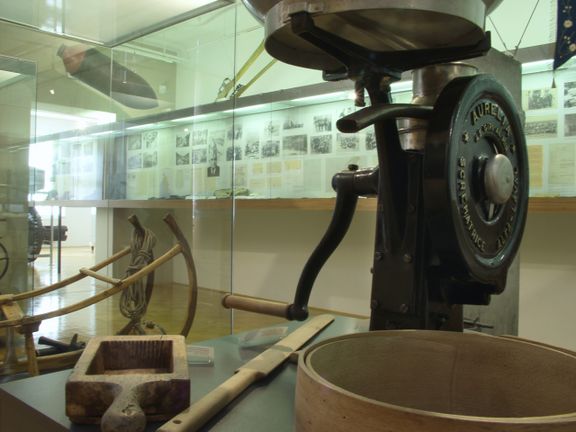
(223, 109)
(552, 205)
(535, 204)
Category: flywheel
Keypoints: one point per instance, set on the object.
(476, 179)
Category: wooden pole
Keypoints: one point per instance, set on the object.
(31, 352)
(64, 282)
(100, 277)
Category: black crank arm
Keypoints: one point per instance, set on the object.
(365, 117)
(349, 185)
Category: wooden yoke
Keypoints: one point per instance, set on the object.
(27, 325)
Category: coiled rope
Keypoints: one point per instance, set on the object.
(134, 299)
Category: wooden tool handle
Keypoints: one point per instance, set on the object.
(266, 307)
(125, 414)
(204, 409)
(200, 412)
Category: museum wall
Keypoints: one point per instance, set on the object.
(548, 279)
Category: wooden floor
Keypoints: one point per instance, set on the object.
(167, 307)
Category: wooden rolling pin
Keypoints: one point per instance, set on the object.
(259, 367)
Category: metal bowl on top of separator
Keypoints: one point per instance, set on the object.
(377, 25)
(259, 8)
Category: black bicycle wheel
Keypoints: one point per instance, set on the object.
(35, 234)
(4, 260)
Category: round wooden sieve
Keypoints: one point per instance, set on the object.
(430, 381)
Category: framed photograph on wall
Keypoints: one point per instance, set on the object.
(321, 144)
(538, 99)
(183, 139)
(323, 123)
(199, 155)
(570, 125)
(541, 126)
(292, 122)
(272, 129)
(252, 148)
(182, 158)
(150, 139)
(134, 142)
(271, 149)
(150, 159)
(199, 137)
(570, 94)
(234, 153)
(135, 161)
(348, 142)
(295, 145)
(370, 141)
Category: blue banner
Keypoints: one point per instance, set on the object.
(566, 32)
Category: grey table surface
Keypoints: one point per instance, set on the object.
(38, 403)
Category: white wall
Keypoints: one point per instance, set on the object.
(272, 246)
(81, 223)
(508, 22)
(548, 279)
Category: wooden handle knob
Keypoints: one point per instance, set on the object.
(125, 414)
(266, 307)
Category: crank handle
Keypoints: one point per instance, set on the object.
(267, 307)
(365, 117)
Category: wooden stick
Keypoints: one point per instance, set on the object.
(190, 270)
(248, 304)
(175, 250)
(11, 310)
(232, 83)
(100, 277)
(133, 219)
(70, 280)
(6, 298)
(255, 78)
(203, 410)
(31, 353)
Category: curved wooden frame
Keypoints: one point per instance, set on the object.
(27, 325)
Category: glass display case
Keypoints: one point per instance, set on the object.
(549, 104)
(195, 120)
(17, 125)
(78, 147)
